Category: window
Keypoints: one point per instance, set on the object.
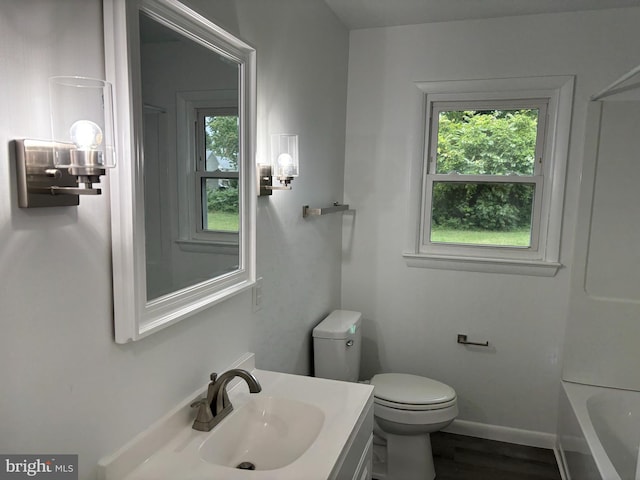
(216, 178)
(494, 164)
(485, 172)
(208, 199)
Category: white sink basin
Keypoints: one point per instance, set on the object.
(268, 432)
(296, 427)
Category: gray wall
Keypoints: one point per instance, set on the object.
(66, 386)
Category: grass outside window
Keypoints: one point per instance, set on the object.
(514, 238)
(223, 221)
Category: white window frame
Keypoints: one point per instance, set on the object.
(192, 237)
(202, 173)
(542, 257)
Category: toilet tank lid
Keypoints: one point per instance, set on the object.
(339, 324)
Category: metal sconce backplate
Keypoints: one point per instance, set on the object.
(264, 180)
(40, 182)
(265, 186)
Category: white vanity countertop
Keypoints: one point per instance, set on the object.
(169, 450)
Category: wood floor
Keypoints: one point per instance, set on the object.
(458, 457)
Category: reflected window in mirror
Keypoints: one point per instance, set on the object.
(217, 171)
(210, 191)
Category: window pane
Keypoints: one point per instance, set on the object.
(221, 143)
(487, 142)
(220, 204)
(497, 214)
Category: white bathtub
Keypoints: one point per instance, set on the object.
(599, 433)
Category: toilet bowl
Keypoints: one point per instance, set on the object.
(407, 408)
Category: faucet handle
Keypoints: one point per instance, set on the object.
(213, 376)
(204, 417)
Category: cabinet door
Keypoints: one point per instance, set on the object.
(357, 455)
(365, 468)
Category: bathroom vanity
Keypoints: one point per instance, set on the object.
(296, 427)
(356, 460)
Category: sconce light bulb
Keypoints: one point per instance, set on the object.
(285, 164)
(285, 160)
(86, 135)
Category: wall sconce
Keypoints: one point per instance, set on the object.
(284, 164)
(54, 173)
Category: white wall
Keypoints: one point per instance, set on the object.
(66, 386)
(302, 55)
(412, 315)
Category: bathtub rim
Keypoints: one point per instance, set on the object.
(577, 395)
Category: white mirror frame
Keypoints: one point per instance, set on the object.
(134, 316)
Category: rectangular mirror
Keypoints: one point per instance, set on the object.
(183, 195)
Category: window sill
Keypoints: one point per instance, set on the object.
(535, 268)
(207, 246)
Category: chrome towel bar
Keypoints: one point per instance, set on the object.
(336, 207)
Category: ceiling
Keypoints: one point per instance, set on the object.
(382, 13)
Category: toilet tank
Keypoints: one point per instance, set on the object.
(337, 345)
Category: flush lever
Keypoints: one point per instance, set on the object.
(462, 338)
(349, 343)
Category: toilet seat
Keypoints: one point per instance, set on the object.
(403, 391)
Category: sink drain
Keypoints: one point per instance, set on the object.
(246, 466)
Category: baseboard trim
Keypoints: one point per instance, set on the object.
(502, 434)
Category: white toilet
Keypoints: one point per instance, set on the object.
(407, 408)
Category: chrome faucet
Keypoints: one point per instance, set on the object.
(216, 405)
